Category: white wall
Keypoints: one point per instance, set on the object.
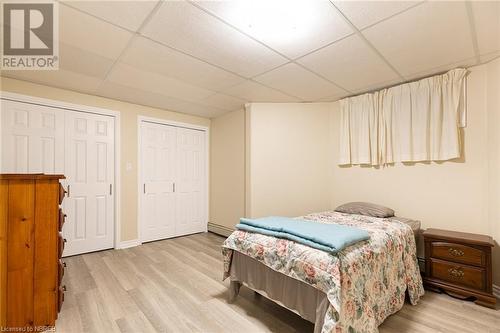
(493, 130)
(288, 158)
(271, 159)
(460, 195)
(291, 156)
(227, 171)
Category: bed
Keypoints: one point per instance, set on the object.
(353, 290)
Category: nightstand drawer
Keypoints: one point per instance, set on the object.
(458, 253)
(460, 264)
(466, 276)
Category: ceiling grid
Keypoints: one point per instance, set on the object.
(199, 57)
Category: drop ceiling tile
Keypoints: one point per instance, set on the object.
(201, 110)
(464, 63)
(151, 56)
(487, 21)
(129, 94)
(332, 98)
(187, 28)
(155, 83)
(91, 34)
(255, 92)
(378, 86)
(489, 56)
(156, 100)
(127, 14)
(291, 27)
(350, 63)
(224, 102)
(366, 13)
(60, 79)
(295, 80)
(84, 62)
(430, 35)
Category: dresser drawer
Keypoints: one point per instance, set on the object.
(60, 297)
(61, 267)
(62, 193)
(466, 276)
(62, 219)
(61, 244)
(458, 253)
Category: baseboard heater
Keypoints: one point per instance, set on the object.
(219, 229)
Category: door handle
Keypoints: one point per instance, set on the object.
(110, 189)
(173, 187)
(144, 188)
(69, 190)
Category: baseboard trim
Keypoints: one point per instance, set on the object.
(496, 291)
(219, 229)
(128, 244)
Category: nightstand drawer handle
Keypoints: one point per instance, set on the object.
(455, 252)
(456, 272)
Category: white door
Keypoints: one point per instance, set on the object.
(89, 170)
(190, 184)
(158, 175)
(173, 173)
(32, 138)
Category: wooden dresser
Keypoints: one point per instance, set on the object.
(31, 246)
(459, 264)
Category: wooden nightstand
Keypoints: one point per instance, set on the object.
(459, 264)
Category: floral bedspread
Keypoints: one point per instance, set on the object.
(365, 283)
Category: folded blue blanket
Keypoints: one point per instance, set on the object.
(323, 236)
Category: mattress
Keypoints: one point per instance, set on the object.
(413, 224)
(363, 284)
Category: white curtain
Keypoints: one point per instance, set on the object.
(359, 121)
(417, 121)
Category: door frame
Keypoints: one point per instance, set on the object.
(206, 129)
(15, 97)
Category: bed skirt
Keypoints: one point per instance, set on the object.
(297, 296)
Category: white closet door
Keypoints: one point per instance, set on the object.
(32, 138)
(158, 169)
(191, 182)
(173, 174)
(89, 159)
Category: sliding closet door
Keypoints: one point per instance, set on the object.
(191, 181)
(89, 169)
(32, 138)
(173, 189)
(158, 168)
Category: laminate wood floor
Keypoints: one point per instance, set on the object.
(175, 286)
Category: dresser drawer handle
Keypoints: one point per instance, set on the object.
(455, 252)
(456, 272)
